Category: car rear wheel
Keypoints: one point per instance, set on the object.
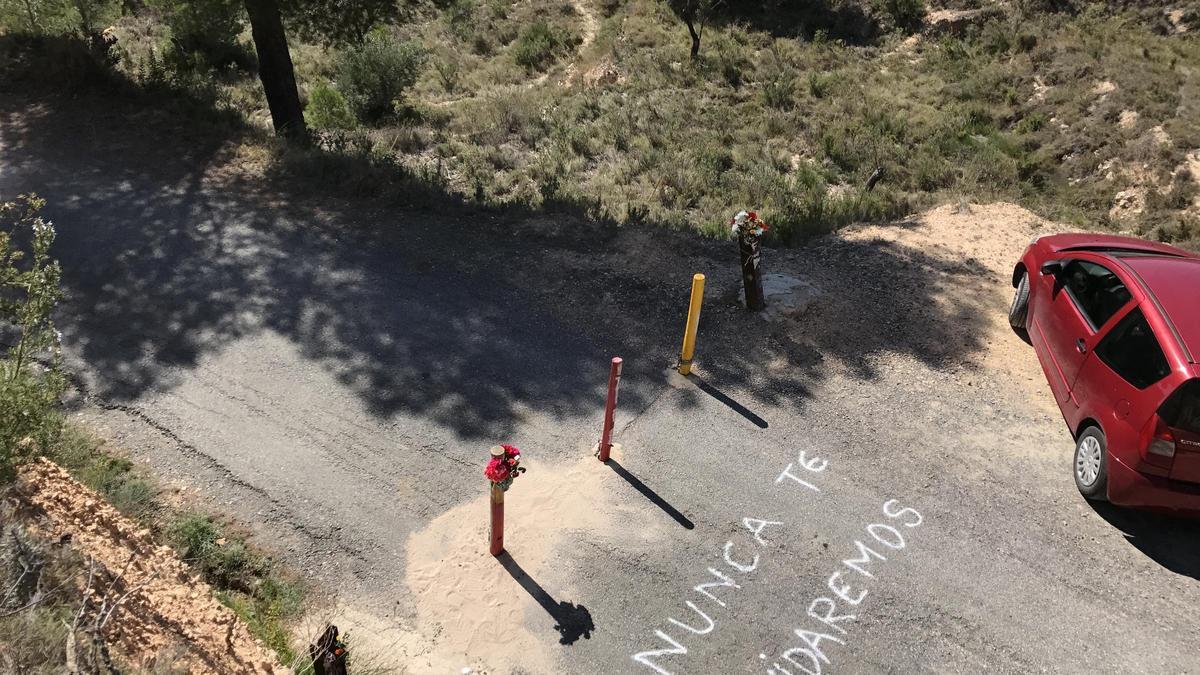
(1091, 464)
(1019, 309)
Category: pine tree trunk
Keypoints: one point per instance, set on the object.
(691, 26)
(275, 69)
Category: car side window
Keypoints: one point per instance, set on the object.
(1095, 289)
(1132, 351)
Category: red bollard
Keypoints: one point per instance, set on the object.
(610, 408)
(497, 530)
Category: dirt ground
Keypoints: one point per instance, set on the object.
(162, 615)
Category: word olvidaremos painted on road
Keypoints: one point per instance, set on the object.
(846, 592)
(740, 562)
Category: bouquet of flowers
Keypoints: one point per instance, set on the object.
(503, 470)
(747, 224)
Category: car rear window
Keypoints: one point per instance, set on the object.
(1132, 351)
(1182, 409)
(1096, 290)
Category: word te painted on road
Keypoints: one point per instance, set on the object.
(740, 560)
(847, 590)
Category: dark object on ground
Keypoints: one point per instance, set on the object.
(328, 654)
(874, 178)
(750, 252)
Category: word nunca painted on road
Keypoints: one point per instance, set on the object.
(846, 592)
(740, 561)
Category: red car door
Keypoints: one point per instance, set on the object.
(1080, 299)
(1123, 382)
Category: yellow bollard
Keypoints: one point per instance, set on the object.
(693, 321)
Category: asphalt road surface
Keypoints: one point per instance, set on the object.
(881, 485)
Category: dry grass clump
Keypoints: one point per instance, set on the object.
(1084, 112)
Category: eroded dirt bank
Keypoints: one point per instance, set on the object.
(156, 612)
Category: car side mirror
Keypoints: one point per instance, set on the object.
(1053, 267)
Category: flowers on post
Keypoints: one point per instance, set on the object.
(503, 470)
(747, 224)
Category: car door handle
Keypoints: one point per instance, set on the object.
(1081, 346)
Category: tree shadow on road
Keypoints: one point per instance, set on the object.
(463, 315)
(571, 621)
(1169, 541)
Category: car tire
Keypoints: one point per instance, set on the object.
(1090, 464)
(1018, 311)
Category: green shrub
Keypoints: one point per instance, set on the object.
(225, 562)
(536, 47)
(460, 15)
(327, 110)
(905, 15)
(374, 76)
(206, 31)
(780, 92)
(1030, 124)
(821, 85)
(79, 18)
(242, 578)
(447, 70)
(30, 381)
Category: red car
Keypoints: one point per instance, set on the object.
(1115, 323)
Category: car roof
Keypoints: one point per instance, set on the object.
(1174, 285)
(1107, 243)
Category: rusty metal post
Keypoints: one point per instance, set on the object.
(751, 253)
(610, 408)
(497, 528)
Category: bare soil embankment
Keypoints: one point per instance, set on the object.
(161, 614)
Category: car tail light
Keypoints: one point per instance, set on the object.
(1162, 443)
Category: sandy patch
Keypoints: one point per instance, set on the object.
(1128, 119)
(478, 614)
(992, 235)
(1104, 87)
(167, 617)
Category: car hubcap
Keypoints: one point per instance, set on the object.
(1087, 460)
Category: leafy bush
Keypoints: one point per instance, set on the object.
(447, 70)
(57, 17)
(780, 92)
(374, 76)
(225, 563)
(905, 15)
(207, 30)
(327, 110)
(30, 381)
(536, 47)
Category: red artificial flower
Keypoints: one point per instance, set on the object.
(496, 471)
(753, 215)
(511, 451)
(764, 227)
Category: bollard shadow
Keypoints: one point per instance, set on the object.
(723, 398)
(573, 621)
(650, 494)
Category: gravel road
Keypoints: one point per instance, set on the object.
(880, 485)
